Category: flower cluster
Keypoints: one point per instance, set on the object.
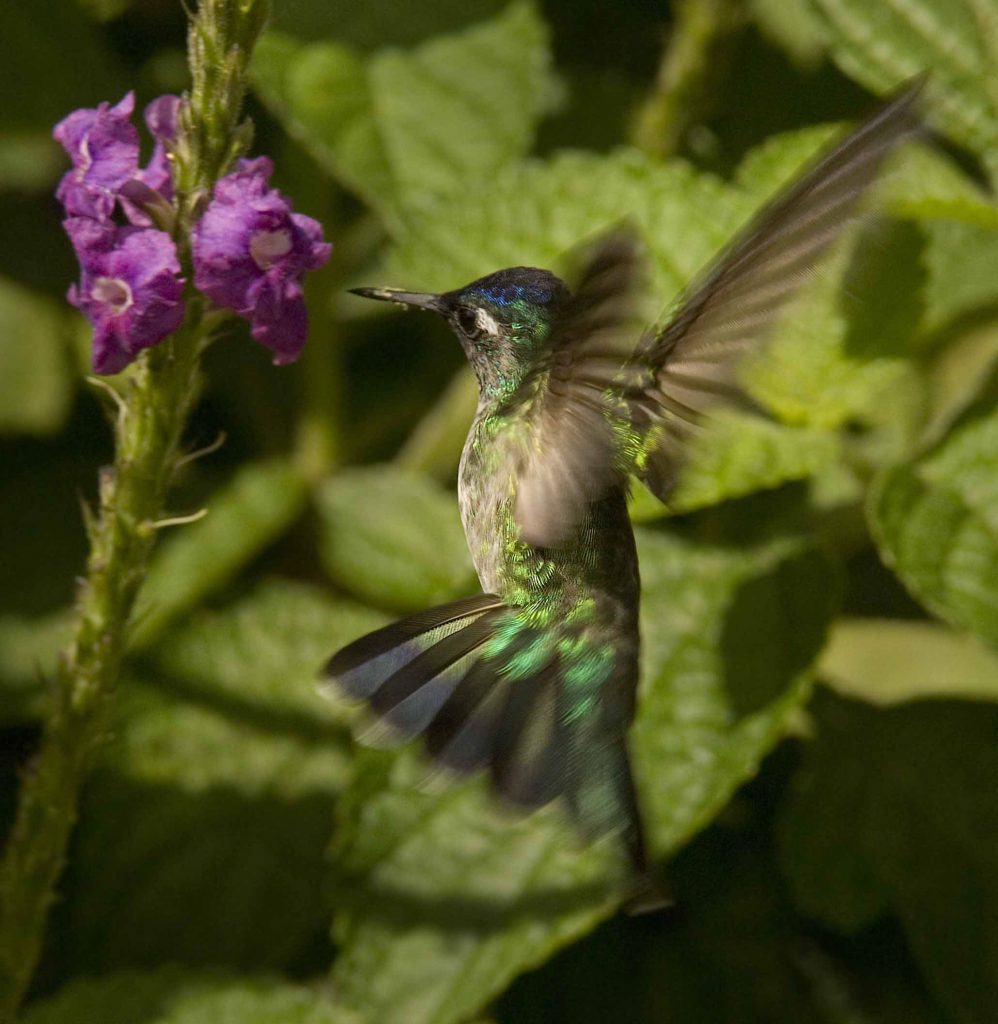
(250, 251)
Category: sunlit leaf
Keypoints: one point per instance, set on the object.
(175, 996)
(936, 524)
(403, 126)
(883, 44)
(394, 538)
(887, 661)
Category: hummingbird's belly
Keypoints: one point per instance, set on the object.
(600, 559)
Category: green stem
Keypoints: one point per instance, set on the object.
(131, 498)
(318, 442)
(161, 389)
(696, 55)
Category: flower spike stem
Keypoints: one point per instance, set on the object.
(160, 393)
(131, 496)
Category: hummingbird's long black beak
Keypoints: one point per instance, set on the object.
(418, 300)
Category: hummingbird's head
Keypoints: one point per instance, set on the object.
(502, 320)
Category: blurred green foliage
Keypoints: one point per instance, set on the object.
(817, 740)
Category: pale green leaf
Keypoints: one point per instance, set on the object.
(883, 44)
(959, 374)
(961, 281)
(459, 108)
(736, 455)
(393, 538)
(400, 127)
(29, 160)
(791, 25)
(729, 636)
(924, 183)
(919, 182)
(35, 372)
(246, 515)
(935, 521)
(176, 996)
(811, 375)
(888, 661)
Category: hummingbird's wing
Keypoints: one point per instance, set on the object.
(574, 442)
(591, 426)
(730, 310)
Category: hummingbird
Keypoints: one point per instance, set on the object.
(535, 678)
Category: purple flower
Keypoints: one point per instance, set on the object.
(104, 147)
(161, 120)
(130, 288)
(251, 252)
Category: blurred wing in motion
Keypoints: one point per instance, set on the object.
(599, 422)
(732, 308)
(570, 454)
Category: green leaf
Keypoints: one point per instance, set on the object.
(958, 376)
(379, 23)
(924, 183)
(533, 213)
(215, 795)
(729, 637)
(959, 260)
(883, 44)
(921, 182)
(736, 455)
(29, 650)
(321, 93)
(888, 661)
(254, 508)
(35, 380)
(29, 160)
(393, 538)
(403, 126)
(175, 996)
(935, 521)
(262, 656)
(812, 374)
(791, 25)
(460, 108)
(493, 894)
(896, 808)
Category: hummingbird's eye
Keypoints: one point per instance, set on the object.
(467, 320)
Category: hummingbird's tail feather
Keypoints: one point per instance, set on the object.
(493, 689)
(407, 670)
